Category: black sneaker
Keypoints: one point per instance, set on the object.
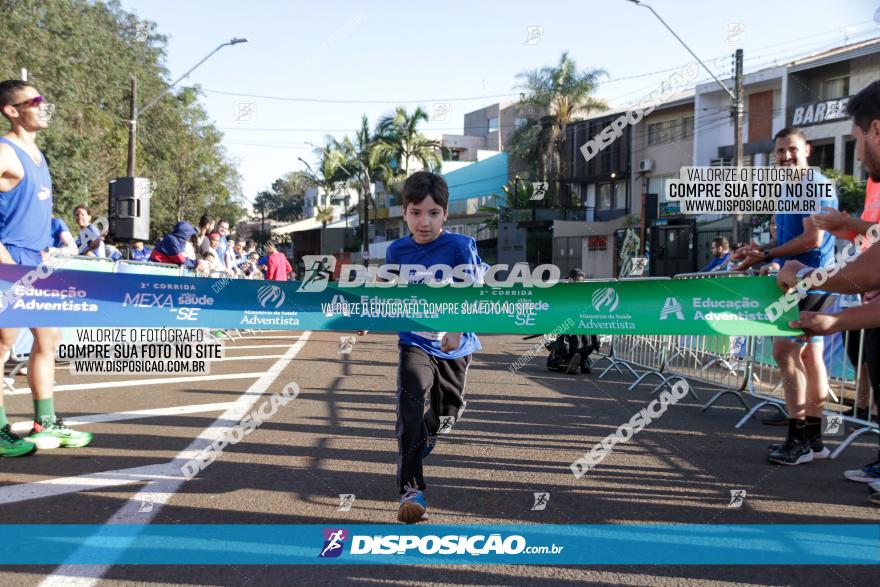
(779, 419)
(792, 452)
(820, 451)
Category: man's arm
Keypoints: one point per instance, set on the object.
(841, 224)
(859, 276)
(809, 239)
(816, 324)
(5, 168)
(5, 257)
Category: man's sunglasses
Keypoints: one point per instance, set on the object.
(35, 101)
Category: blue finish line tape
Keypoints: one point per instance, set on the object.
(536, 544)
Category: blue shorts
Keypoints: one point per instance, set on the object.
(24, 256)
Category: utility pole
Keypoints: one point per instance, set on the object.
(132, 130)
(738, 109)
(132, 127)
(365, 228)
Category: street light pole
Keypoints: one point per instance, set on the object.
(736, 97)
(132, 122)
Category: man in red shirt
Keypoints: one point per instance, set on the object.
(275, 264)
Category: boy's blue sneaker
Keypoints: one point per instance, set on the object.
(412, 506)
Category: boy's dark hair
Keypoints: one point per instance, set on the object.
(789, 131)
(864, 107)
(10, 87)
(422, 184)
(84, 207)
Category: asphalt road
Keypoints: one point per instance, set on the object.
(519, 435)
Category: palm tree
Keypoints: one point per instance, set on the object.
(398, 138)
(324, 215)
(517, 196)
(553, 96)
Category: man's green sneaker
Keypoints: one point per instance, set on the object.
(12, 445)
(56, 430)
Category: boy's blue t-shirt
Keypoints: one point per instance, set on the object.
(447, 249)
(791, 226)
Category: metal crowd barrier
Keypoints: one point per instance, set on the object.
(744, 367)
(647, 353)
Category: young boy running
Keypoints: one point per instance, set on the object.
(432, 364)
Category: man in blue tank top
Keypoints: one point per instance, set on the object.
(804, 376)
(25, 234)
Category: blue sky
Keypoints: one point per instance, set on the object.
(379, 54)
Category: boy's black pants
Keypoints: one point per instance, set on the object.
(420, 374)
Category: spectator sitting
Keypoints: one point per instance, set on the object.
(113, 253)
(249, 268)
(89, 242)
(239, 258)
(720, 255)
(277, 267)
(209, 261)
(216, 240)
(570, 352)
(171, 249)
(139, 251)
(206, 226)
(62, 239)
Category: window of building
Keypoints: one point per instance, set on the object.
(837, 87)
(661, 132)
(618, 189)
(657, 185)
(520, 122)
(605, 196)
(493, 124)
(687, 127)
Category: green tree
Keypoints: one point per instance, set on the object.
(517, 196)
(79, 54)
(850, 191)
(324, 215)
(552, 98)
(399, 140)
(284, 200)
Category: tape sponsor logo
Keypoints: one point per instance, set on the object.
(270, 294)
(671, 307)
(605, 297)
(605, 302)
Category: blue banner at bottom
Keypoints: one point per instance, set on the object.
(660, 544)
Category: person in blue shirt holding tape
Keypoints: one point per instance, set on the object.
(433, 364)
(25, 234)
(804, 376)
